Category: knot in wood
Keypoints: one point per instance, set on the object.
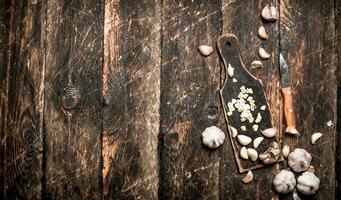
(71, 96)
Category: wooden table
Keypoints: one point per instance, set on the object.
(108, 99)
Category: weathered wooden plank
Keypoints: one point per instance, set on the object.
(4, 37)
(22, 100)
(338, 74)
(131, 90)
(72, 111)
(308, 44)
(189, 100)
(243, 19)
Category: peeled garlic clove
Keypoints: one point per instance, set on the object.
(213, 137)
(258, 118)
(263, 34)
(233, 131)
(315, 137)
(205, 50)
(257, 141)
(230, 71)
(263, 54)
(244, 140)
(263, 107)
(243, 128)
(286, 150)
(252, 153)
(248, 178)
(269, 133)
(243, 153)
(256, 64)
(269, 13)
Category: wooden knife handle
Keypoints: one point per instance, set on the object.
(289, 114)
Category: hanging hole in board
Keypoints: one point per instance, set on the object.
(228, 43)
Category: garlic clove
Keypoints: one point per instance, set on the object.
(256, 64)
(243, 128)
(230, 71)
(292, 130)
(244, 140)
(295, 195)
(315, 137)
(233, 131)
(257, 141)
(263, 54)
(248, 178)
(269, 13)
(258, 118)
(252, 153)
(269, 133)
(285, 150)
(243, 153)
(205, 50)
(262, 33)
(271, 155)
(234, 80)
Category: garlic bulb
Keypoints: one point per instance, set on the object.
(213, 137)
(205, 50)
(299, 160)
(308, 183)
(284, 182)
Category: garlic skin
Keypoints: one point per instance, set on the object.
(315, 137)
(285, 150)
(269, 13)
(262, 33)
(263, 54)
(257, 141)
(244, 140)
(248, 178)
(213, 137)
(299, 160)
(205, 50)
(269, 133)
(308, 183)
(284, 182)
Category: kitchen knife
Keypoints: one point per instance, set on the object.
(288, 102)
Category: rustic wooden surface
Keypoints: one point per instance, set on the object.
(108, 99)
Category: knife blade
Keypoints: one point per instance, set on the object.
(288, 102)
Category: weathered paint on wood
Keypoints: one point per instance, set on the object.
(22, 101)
(312, 62)
(189, 100)
(73, 99)
(131, 91)
(338, 77)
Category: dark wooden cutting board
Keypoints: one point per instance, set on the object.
(228, 46)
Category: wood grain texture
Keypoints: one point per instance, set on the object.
(243, 19)
(338, 77)
(189, 99)
(308, 45)
(131, 90)
(22, 101)
(4, 47)
(72, 114)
